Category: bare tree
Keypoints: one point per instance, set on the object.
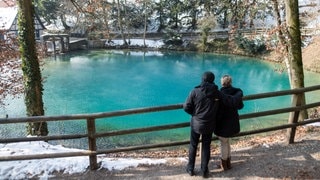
(294, 61)
(289, 46)
(120, 23)
(10, 69)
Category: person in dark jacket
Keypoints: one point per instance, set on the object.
(228, 119)
(202, 104)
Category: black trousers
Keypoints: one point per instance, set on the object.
(205, 150)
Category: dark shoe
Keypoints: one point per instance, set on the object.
(190, 172)
(205, 174)
(229, 163)
(224, 165)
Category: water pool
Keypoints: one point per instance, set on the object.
(109, 80)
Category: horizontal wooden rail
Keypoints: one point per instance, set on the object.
(87, 116)
(134, 148)
(275, 128)
(154, 128)
(45, 156)
(217, 33)
(278, 111)
(92, 135)
(43, 138)
(282, 93)
(141, 130)
(142, 147)
(143, 110)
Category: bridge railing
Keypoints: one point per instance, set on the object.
(92, 135)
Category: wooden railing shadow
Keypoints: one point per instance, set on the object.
(92, 135)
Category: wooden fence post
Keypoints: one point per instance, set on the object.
(91, 127)
(293, 118)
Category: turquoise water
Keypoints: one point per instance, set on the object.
(107, 80)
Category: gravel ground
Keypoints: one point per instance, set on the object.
(252, 158)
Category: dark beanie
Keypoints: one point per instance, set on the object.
(208, 77)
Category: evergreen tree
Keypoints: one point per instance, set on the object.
(47, 9)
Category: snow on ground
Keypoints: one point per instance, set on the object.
(137, 42)
(45, 167)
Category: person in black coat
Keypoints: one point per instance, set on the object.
(202, 104)
(228, 119)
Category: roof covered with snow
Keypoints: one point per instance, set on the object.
(7, 16)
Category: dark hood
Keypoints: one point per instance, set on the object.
(209, 89)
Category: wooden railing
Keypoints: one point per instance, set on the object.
(218, 33)
(92, 135)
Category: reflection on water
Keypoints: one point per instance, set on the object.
(99, 81)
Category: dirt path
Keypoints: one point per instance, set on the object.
(265, 158)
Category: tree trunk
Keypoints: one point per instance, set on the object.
(121, 24)
(282, 46)
(31, 68)
(105, 19)
(145, 23)
(295, 61)
(279, 25)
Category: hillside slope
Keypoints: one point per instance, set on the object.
(311, 55)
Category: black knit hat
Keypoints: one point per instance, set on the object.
(208, 77)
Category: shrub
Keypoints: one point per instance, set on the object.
(172, 37)
(252, 46)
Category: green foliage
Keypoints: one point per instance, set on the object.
(172, 37)
(95, 35)
(218, 45)
(252, 46)
(174, 9)
(135, 13)
(48, 9)
(214, 45)
(206, 24)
